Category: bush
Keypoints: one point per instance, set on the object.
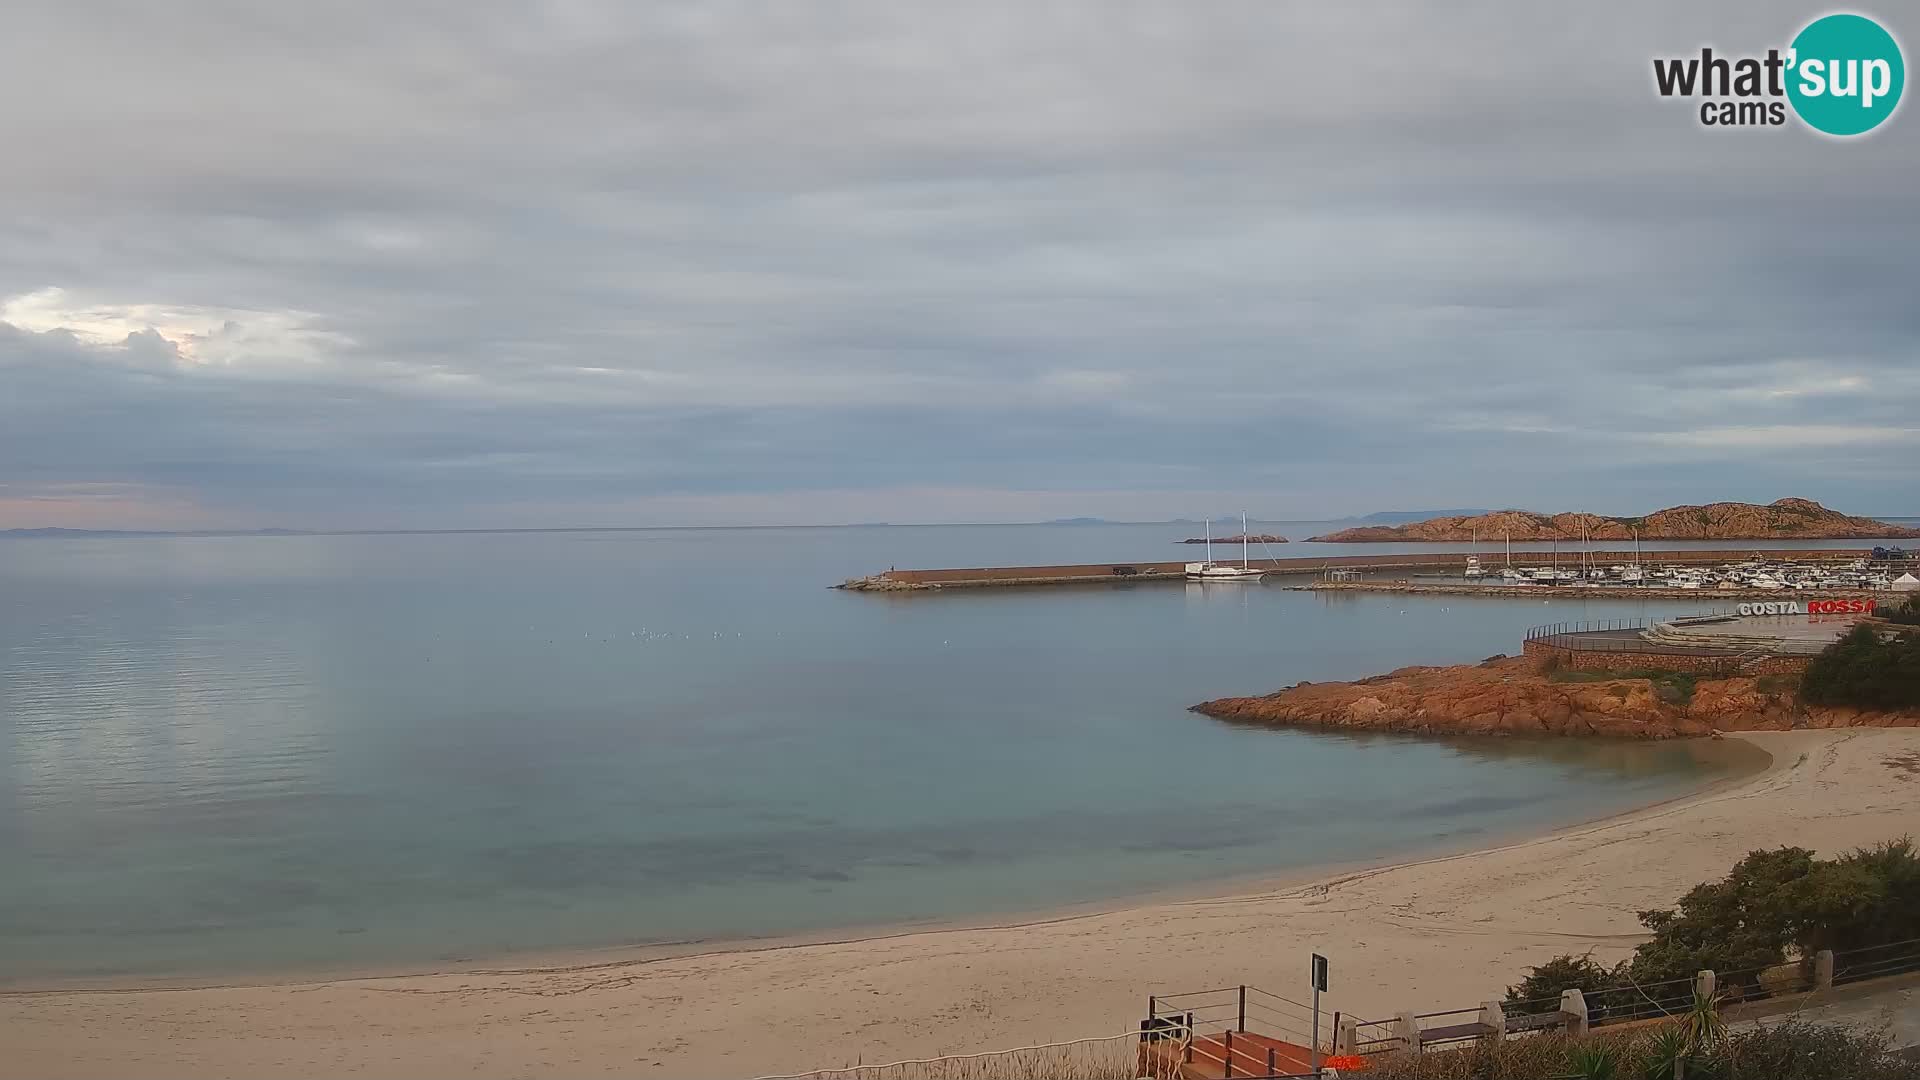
(1773, 904)
(1802, 1051)
(1546, 982)
(1906, 614)
(1672, 687)
(1789, 1051)
(1866, 669)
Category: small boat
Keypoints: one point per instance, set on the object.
(1474, 569)
(1213, 571)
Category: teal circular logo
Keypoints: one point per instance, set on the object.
(1845, 74)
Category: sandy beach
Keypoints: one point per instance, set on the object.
(1436, 933)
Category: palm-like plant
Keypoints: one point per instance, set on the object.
(1663, 1054)
(1594, 1061)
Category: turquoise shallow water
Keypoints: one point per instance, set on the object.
(277, 753)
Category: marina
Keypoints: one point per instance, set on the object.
(1838, 572)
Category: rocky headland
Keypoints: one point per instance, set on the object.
(1517, 696)
(1784, 519)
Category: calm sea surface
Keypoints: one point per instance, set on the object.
(273, 753)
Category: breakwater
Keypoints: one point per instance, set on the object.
(1436, 562)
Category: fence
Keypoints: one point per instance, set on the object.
(1562, 634)
(1222, 1032)
(1876, 961)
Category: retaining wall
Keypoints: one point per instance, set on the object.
(1696, 663)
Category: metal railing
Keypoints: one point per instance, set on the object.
(1536, 633)
(1876, 961)
(1589, 626)
(1208, 1021)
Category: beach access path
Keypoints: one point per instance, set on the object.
(1436, 933)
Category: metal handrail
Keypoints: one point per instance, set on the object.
(1910, 942)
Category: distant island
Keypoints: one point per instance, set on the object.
(1255, 538)
(1785, 519)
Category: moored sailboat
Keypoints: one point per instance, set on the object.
(1213, 571)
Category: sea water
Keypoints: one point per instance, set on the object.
(309, 753)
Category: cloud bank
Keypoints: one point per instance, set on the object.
(488, 264)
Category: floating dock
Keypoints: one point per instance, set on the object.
(1428, 561)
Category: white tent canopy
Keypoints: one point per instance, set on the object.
(1906, 583)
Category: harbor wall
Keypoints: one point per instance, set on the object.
(1696, 663)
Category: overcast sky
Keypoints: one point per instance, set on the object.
(408, 265)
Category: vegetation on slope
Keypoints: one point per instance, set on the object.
(1868, 668)
(1774, 906)
(1788, 1051)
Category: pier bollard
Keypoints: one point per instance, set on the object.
(1573, 1004)
(1407, 1028)
(1494, 1019)
(1823, 970)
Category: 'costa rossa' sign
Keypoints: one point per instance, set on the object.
(1814, 607)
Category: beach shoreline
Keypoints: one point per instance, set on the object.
(1439, 931)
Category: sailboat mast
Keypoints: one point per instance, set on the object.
(1243, 539)
(1209, 541)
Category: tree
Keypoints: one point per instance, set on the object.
(1866, 668)
(1740, 923)
(1773, 904)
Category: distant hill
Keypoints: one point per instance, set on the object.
(1786, 519)
(1402, 517)
(28, 534)
(1080, 521)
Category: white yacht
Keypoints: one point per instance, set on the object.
(1213, 571)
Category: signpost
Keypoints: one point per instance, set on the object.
(1319, 987)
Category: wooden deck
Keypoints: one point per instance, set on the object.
(1243, 1054)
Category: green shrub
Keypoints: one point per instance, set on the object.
(1788, 1051)
(1672, 687)
(1906, 614)
(1772, 905)
(1866, 669)
(1800, 1051)
(1562, 973)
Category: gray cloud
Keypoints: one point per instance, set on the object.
(489, 264)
